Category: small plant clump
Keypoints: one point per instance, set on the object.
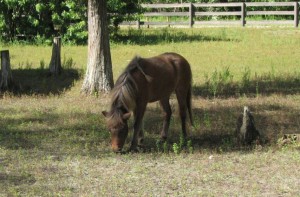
(162, 146)
(68, 63)
(190, 146)
(177, 148)
(218, 81)
(42, 64)
(165, 147)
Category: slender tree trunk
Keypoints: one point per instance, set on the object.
(6, 76)
(99, 76)
(55, 63)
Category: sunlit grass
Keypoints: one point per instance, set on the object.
(206, 49)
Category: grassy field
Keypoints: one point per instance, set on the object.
(53, 140)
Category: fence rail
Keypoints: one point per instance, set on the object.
(242, 10)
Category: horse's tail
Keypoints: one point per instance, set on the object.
(189, 104)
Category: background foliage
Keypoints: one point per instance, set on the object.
(40, 20)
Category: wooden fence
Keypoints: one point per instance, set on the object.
(193, 11)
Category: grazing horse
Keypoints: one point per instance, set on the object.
(147, 80)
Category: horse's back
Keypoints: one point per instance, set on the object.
(181, 65)
(168, 72)
(170, 65)
(181, 68)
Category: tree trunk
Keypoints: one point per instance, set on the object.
(99, 76)
(6, 76)
(55, 63)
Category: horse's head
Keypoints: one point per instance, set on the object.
(118, 127)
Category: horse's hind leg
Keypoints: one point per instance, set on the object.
(181, 97)
(167, 112)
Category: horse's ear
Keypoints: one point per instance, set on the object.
(105, 113)
(126, 116)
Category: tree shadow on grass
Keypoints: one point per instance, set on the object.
(16, 179)
(138, 37)
(30, 135)
(51, 132)
(215, 127)
(208, 132)
(17, 134)
(286, 85)
(41, 82)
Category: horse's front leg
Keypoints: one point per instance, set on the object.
(137, 128)
(141, 135)
(165, 105)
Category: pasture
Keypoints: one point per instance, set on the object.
(53, 139)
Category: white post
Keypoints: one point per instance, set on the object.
(296, 14)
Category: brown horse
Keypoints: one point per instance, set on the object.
(147, 80)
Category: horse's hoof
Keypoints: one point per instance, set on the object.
(162, 140)
(121, 152)
(142, 146)
(133, 150)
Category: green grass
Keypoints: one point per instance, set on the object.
(53, 140)
(235, 48)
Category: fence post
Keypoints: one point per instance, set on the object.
(138, 24)
(243, 14)
(296, 14)
(55, 63)
(147, 20)
(191, 13)
(6, 76)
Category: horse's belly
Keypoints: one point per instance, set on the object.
(161, 90)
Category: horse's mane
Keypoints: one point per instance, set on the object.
(123, 95)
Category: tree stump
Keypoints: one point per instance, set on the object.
(55, 63)
(246, 131)
(6, 76)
